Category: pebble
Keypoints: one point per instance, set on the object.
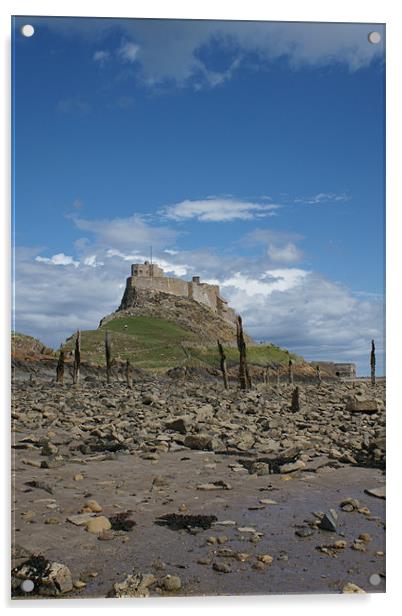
(329, 521)
(242, 556)
(265, 558)
(366, 537)
(92, 506)
(171, 582)
(352, 588)
(221, 567)
(159, 565)
(304, 532)
(98, 524)
(204, 560)
(106, 535)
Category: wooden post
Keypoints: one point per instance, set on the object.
(318, 371)
(77, 359)
(295, 405)
(278, 379)
(129, 375)
(267, 375)
(290, 372)
(108, 355)
(244, 376)
(372, 362)
(222, 357)
(60, 368)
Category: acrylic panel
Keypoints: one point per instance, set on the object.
(198, 370)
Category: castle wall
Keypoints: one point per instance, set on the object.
(150, 277)
(204, 293)
(165, 285)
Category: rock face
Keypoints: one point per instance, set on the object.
(186, 312)
(26, 347)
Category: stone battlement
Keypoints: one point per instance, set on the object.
(149, 276)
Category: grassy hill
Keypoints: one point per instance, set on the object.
(151, 342)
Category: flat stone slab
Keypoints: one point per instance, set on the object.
(378, 492)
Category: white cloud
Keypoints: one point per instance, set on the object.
(313, 316)
(91, 260)
(286, 254)
(59, 259)
(128, 51)
(269, 281)
(218, 210)
(172, 50)
(128, 233)
(175, 269)
(289, 306)
(101, 57)
(324, 197)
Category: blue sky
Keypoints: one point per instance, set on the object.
(249, 153)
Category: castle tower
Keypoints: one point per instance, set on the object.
(147, 270)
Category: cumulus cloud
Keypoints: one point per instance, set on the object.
(305, 312)
(128, 51)
(290, 306)
(285, 254)
(176, 50)
(59, 259)
(280, 246)
(101, 57)
(218, 210)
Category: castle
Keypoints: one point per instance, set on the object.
(149, 276)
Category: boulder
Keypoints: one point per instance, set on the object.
(179, 424)
(360, 404)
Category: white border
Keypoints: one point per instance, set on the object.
(384, 11)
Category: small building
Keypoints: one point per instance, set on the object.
(345, 370)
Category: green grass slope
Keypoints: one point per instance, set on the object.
(150, 342)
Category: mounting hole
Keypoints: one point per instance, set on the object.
(374, 38)
(375, 579)
(27, 30)
(27, 585)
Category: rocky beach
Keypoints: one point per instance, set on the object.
(176, 486)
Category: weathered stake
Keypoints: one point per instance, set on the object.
(60, 368)
(244, 375)
(372, 362)
(108, 355)
(295, 405)
(129, 375)
(222, 357)
(77, 359)
(290, 372)
(267, 375)
(318, 372)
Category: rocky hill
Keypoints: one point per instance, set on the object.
(27, 347)
(194, 317)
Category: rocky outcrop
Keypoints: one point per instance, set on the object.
(185, 312)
